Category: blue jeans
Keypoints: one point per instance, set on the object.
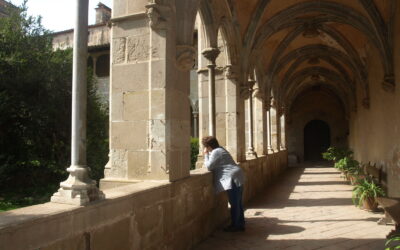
(235, 200)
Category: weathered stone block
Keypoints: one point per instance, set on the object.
(78, 242)
(158, 74)
(130, 77)
(129, 135)
(119, 164)
(138, 164)
(114, 236)
(131, 27)
(136, 6)
(136, 105)
(158, 104)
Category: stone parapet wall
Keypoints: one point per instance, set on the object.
(146, 215)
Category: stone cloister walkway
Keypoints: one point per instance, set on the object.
(308, 208)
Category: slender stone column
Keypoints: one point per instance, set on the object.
(211, 54)
(269, 132)
(283, 132)
(250, 151)
(278, 129)
(79, 189)
(195, 121)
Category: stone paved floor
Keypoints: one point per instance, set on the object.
(309, 208)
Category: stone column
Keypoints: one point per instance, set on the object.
(269, 132)
(274, 125)
(149, 107)
(283, 132)
(211, 54)
(251, 154)
(260, 126)
(278, 129)
(235, 122)
(79, 189)
(195, 121)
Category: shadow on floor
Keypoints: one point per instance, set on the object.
(259, 232)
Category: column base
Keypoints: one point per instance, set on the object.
(78, 189)
(250, 155)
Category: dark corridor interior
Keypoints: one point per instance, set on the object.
(316, 140)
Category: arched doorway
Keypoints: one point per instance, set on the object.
(317, 138)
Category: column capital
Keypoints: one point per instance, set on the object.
(185, 57)
(231, 72)
(211, 54)
(250, 83)
(158, 14)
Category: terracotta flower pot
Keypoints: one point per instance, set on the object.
(370, 204)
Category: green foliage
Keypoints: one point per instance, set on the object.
(348, 165)
(393, 242)
(335, 154)
(364, 189)
(35, 107)
(194, 151)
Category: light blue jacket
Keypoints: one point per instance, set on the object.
(224, 168)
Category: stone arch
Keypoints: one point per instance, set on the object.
(337, 81)
(307, 52)
(334, 12)
(290, 97)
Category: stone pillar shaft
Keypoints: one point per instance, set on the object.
(79, 189)
(211, 54)
(269, 132)
(250, 152)
(195, 121)
(211, 99)
(251, 122)
(79, 85)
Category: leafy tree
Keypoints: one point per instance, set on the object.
(35, 108)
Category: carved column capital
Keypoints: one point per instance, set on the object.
(211, 54)
(185, 57)
(231, 72)
(158, 13)
(250, 84)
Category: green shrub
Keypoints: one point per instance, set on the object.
(335, 154)
(194, 151)
(35, 107)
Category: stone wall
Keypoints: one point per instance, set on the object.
(375, 132)
(304, 110)
(147, 215)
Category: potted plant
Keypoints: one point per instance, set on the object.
(353, 170)
(393, 241)
(347, 165)
(365, 192)
(335, 154)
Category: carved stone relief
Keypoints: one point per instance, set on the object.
(119, 48)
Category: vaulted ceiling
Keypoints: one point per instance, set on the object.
(304, 43)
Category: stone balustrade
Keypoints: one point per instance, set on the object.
(144, 215)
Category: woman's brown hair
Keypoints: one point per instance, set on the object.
(210, 141)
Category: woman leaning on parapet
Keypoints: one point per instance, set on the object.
(228, 176)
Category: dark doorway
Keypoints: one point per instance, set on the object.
(317, 138)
